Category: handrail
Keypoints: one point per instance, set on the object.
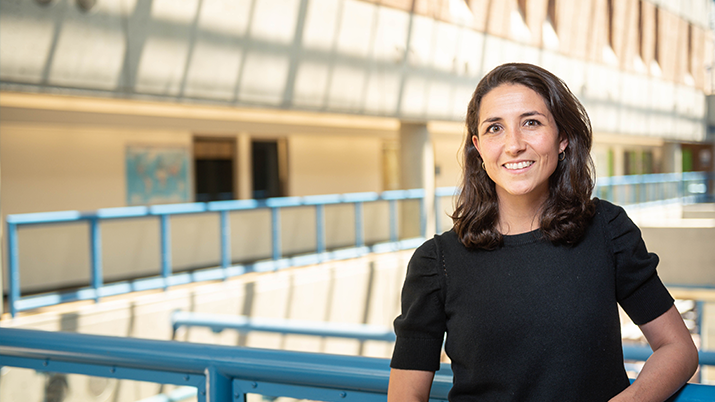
(655, 188)
(99, 289)
(221, 373)
(224, 373)
(220, 322)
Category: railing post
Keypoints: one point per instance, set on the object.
(165, 249)
(14, 271)
(225, 240)
(276, 232)
(219, 388)
(96, 254)
(320, 228)
(393, 221)
(359, 231)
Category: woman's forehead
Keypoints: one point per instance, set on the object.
(507, 99)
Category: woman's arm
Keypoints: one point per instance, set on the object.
(673, 362)
(409, 385)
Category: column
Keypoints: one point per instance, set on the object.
(619, 160)
(244, 178)
(417, 171)
(672, 158)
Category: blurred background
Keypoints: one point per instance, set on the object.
(108, 104)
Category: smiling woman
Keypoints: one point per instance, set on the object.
(527, 283)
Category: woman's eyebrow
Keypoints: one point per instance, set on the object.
(532, 113)
(525, 114)
(490, 120)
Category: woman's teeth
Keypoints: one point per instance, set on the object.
(518, 165)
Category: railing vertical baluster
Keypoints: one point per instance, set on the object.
(219, 387)
(320, 228)
(359, 231)
(225, 240)
(96, 254)
(276, 232)
(393, 221)
(14, 271)
(165, 249)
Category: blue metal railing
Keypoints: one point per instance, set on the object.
(655, 188)
(98, 288)
(220, 322)
(224, 373)
(220, 373)
(623, 190)
(361, 332)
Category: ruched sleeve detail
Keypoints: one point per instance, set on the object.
(421, 326)
(639, 290)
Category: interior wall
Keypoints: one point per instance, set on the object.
(447, 156)
(334, 164)
(65, 167)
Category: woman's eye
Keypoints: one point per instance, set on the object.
(532, 123)
(493, 128)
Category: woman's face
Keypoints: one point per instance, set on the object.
(518, 141)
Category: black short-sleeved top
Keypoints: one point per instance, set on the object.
(530, 321)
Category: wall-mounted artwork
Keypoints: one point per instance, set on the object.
(157, 174)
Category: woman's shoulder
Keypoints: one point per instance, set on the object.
(615, 220)
(608, 211)
(431, 247)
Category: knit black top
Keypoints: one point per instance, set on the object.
(530, 321)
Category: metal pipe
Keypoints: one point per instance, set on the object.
(225, 239)
(165, 249)
(96, 257)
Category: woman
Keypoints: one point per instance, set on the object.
(527, 283)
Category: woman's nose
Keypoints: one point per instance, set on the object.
(514, 141)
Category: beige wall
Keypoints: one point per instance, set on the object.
(65, 167)
(322, 164)
(448, 156)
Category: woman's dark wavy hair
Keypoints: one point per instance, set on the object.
(568, 210)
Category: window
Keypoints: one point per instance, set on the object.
(689, 57)
(214, 169)
(641, 27)
(656, 37)
(551, 14)
(610, 26)
(522, 9)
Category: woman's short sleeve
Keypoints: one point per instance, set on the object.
(421, 326)
(639, 290)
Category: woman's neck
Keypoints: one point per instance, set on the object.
(519, 214)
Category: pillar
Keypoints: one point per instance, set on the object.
(619, 160)
(244, 174)
(672, 158)
(417, 171)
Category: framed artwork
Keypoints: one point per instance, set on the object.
(157, 174)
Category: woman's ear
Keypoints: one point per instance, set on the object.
(563, 144)
(475, 141)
